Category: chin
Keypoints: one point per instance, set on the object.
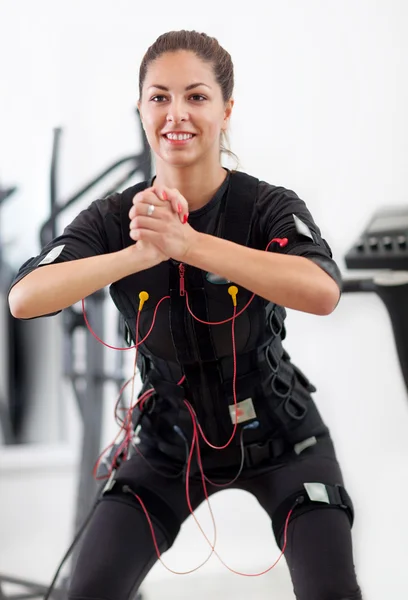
(179, 161)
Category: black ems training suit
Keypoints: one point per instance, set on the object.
(288, 456)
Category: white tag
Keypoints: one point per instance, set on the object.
(302, 228)
(242, 411)
(300, 446)
(317, 492)
(217, 279)
(52, 255)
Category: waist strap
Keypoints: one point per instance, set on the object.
(254, 454)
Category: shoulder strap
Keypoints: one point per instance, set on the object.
(239, 208)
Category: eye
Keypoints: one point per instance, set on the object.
(198, 97)
(158, 99)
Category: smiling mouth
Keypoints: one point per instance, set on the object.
(178, 138)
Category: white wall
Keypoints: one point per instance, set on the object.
(321, 96)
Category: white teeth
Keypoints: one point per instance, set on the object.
(179, 136)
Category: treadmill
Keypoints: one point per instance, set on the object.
(383, 247)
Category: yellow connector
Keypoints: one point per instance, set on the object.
(233, 291)
(143, 296)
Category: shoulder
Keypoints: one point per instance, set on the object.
(277, 198)
(268, 193)
(273, 201)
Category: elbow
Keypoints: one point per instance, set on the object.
(17, 304)
(328, 300)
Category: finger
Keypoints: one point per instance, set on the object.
(178, 203)
(146, 235)
(145, 197)
(144, 209)
(153, 212)
(160, 191)
(142, 194)
(146, 222)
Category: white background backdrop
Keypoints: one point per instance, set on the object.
(321, 97)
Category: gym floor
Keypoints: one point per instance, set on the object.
(201, 587)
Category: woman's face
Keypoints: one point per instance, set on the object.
(182, 109)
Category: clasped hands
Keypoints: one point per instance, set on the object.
(158, 223)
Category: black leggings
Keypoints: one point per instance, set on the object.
(117, 551)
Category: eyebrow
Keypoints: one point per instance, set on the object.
(189, 87)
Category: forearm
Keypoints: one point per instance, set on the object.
(51, 288)
(291, 281)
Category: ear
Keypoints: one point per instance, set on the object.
(227, 113)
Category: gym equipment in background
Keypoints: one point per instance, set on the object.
(11, 408)
(88, 385)
(383, 246)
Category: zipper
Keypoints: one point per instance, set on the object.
(190, 331)
(182, 284)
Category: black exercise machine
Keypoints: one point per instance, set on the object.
(383, 247)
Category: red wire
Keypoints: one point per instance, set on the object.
(156, 546)
(195, 441)
(269, 568)
(282, 243)
(126, 423)
(115, 412)
(218, 322)
(127, 347)
(197, 444)
(212, 545)
(233, 392)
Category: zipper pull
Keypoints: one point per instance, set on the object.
(181, 273)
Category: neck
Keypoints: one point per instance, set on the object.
(197, 184)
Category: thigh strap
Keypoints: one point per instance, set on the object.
(312, 496)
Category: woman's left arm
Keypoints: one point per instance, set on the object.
(292, 281)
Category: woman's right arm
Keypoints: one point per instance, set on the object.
(51, 288)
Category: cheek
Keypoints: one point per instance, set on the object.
(152, 123)
(212, 127)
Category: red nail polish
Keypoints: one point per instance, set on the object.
(185, 219)
(164, 195)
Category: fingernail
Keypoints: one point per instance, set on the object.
(185, 219)
(179, 208)
(164, 195)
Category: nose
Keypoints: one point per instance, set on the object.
(177, 112)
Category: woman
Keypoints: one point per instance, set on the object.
(259, 427)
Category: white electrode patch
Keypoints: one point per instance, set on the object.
(52, 255)
(317, 492)
(302, 228)
(242, 411)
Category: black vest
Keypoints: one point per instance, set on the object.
(179, 345)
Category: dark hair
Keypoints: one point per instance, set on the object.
(205, 47)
